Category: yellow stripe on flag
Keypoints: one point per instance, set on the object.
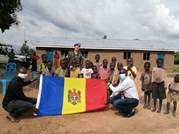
(74, 98)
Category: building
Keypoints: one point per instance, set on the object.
(140, 50)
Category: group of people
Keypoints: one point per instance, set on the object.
(73, 65)
(154, 82)
(122, 90)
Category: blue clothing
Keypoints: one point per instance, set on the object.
(125, 105)
(50, 56)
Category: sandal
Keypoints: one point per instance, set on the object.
(12, 119)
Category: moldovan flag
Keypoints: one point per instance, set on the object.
(58, 95)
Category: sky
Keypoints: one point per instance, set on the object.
(49, 21)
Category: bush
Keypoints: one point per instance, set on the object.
(176, 61)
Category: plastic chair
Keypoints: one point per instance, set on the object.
(4, 85)
(10, 67)
(8, 76)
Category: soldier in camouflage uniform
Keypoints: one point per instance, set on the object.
(75, 55)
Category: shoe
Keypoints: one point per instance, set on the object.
(12, 119)
(131, 114)
(35, 114)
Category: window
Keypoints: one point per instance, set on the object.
(146, 56)
(127, 55)
(84, 53)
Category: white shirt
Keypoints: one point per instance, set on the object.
(127, 86)
(87, 72)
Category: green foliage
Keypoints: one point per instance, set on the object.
(176, 68)
(31, 51)
(8, 9)
(25, 50)
(177, 58)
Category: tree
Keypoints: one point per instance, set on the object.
(27, 52)
(8, 10)
(25, 49)
(176, 58)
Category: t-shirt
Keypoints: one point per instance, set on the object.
(15, 91)
(57, 56)
(104, 73)
(49, 56)
(175, 86)
(158, 75)
(42, 68)
(87, 72)
(146, 79)
(60, 72)
(74, 73)
(98, 65)
(134, 69)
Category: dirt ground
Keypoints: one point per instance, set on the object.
(107, 121)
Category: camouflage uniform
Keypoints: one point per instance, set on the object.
(77, 57)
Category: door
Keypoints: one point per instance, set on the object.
(161, 55)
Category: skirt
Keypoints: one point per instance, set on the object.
(158, 91)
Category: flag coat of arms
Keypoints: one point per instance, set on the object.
(59, 95)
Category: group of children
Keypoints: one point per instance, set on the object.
(73, 69)
(154, 83)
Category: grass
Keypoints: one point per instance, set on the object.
(176, 68)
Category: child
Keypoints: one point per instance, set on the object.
(115, 78)
(87, 70)
(35, 57)
(131, 69)
(97, 61)
(75, 70)
(104, 71)
(49, 70)
(95, 75)
(43, 64)
(114, 60)
(173, 95)
(111, 71)
(158, 84)
(61, 71)
(57, 59)
(146, 78)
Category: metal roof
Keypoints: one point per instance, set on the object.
(111, 44)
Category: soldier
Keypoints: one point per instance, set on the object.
(76, 54)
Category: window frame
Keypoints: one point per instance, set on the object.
(127, 55)
(146, 56)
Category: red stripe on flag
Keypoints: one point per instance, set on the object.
(96, 94)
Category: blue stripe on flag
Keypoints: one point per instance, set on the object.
(51, 99)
